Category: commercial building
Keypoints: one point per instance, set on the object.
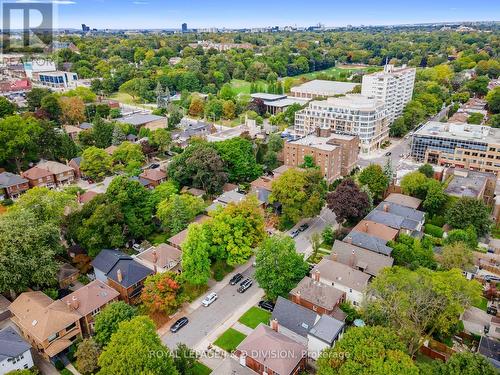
(334, 154)
(57, 79)
(321, 88)
(276, 103)
(472, 184)
(466, 146)
(394, 86)
(351, 114)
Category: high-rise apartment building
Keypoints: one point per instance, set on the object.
(184, 27)
(474, 147)
(394, 86)
(352, 114)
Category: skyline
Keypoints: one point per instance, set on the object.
(155, 14)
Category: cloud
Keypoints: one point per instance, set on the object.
(140, 2)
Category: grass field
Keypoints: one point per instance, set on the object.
(243, 87)
(483, 304)
(200, 369)
(229, 340)
(254, 316)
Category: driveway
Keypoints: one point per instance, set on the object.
(205, 320)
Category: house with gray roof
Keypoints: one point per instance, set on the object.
(12, 185)
(86, 126)
(369, 242)
(405, 219)
(15, 352)
(302, 325)
(121, 272)
(144, 120)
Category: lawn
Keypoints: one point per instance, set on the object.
(254, 316)
(229, 340)
(483, 304)
(200, 369)
(495, 232)
(332, 73)
(241, 86)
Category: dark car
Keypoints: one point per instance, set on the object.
(266, 305)
(247, 283)
(492, 310)
(154, 166)
(179, 324)
(303, 227)
(388, 153)
(236, 279)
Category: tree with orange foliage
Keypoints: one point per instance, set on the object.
(72, 110)
(161, 293)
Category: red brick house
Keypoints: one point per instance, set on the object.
(154, 176)
(12, 185)
(318, 297)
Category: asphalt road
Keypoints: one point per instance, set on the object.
(204, 320)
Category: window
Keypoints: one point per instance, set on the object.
(96, 311)
(53, 337)
(70, 327)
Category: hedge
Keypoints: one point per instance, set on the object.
(433, 230)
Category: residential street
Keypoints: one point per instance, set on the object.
(204, 322)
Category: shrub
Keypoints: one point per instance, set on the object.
(59, 365)
(433, 230)
(65, 371)
(437, 220)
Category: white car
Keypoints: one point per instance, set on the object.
(209, 299)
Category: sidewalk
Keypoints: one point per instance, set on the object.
(242, 328)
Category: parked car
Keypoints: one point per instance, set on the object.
(491, 278)
(388, 153)
(209, 299)
(247, 283)
(492, 310)
(266, 305)
(236, 279)
(294, 233)
(179, 324)
(137, 247)
(303, 227)
(154, 166)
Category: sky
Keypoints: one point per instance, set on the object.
(154, 14)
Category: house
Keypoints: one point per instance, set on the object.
(145, 183)
(226, 198)
(141, 120)
(50, 326)
(490, 348)
(476, 321)
(233, 367)
(403, 200)
(66, 275)
(406, 220)
(359, 259)
(122, 273)
(12, 185)
(494, 331)
(63, 174)
(4, 308)
(375, 229)
(75, 164)
(343, 277)
(88, 301)
(468, 183)
(262, 187)
(193, 191)
(160, 258)
(318, 297)
(15, 352)
(177, 239)
(324, 334)
(72, 131)
(110, 150)
(369, 242)
(260, 351)
(154, 176)
(87, 196)
(38, 177)
(86, 126)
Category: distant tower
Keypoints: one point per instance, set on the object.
(184, 27)
(85, 28)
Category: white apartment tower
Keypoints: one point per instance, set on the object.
(394, 86)
(352, 114)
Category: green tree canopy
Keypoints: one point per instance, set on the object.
(196, 255)
(96, 163)
(374, 177)
(467, 211)
(178, 211)
(107, 321)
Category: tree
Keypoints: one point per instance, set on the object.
(226, 92)
(196, 255)
(163, 192)
(478, 86)
(275, 143)
(456, 255)
(414, 184)
(178, 211)
(467, 236)
(134, 203)
(427, 170)
(185, 360)
(130, 351)
(96, 163)
(35, 96)
(301, 194)
(493, 99)
(239, 159)
(51, 106)
(228, 110)
(197, 106)
(108, 320)
(18, 137)
(278, 266)
(161, 293)
(373, 176)
(412, 253)
(129, 157)
(469, 211)
(161, 139)
(102, 133)
(118, 136)
(348, 202)
(6, 107)
(72, 110)
(372, 350)
(467, 363)
(86, 356)
(236, 229)
(419, 303)
(435, 197)
(475, 118)
(308, 162)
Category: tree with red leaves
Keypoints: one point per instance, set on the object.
(161, 293)
(348, 202)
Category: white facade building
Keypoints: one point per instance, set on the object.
(352, 114)
(394, 86)
(15, 352)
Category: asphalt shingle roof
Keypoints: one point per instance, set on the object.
(107, 259)
(294, 317)
(327, 329)
(366, 241)
(8, 179)
(11, 344)
(139, 119)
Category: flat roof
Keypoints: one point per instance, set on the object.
(266, 96)
(465, 132)
(350, 101)
(314, 141)
(285, 102)
(324, 87)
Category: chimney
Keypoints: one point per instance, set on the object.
(334, 257)
(348, 240)
(119, 275)
(316, 275)
(75, 303)
(366, 226)
(155, 257)
(353, 259)
(297, 298)
(274, 325)
(68, 305)
(386, 207)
